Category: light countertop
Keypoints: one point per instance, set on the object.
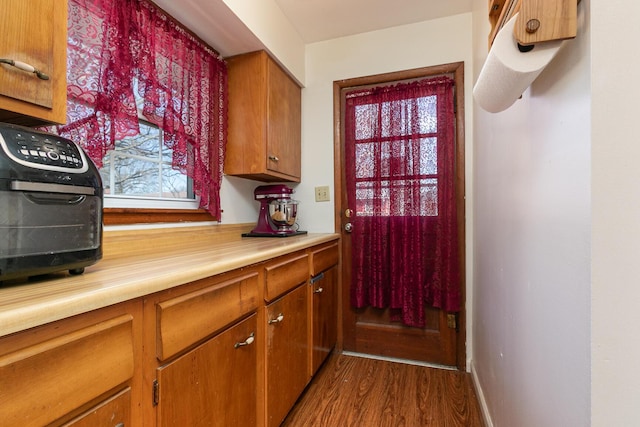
(135, 265)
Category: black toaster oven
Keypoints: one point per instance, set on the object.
(50, 204)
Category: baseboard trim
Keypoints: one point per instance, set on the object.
(484, 408)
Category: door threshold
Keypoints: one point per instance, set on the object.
(396, 360)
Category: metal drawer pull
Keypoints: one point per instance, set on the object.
(248, 341)
(25, 67)
(318, 291)
(278, 319)
(274, 158)
(120, 425)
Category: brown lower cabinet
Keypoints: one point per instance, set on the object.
(324, 299)
(287, 353)
(214, 384)
(78, 371)
(325, 311)
(234, 349)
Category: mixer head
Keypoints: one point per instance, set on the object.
(276, 191)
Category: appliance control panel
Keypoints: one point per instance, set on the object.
(42, 151)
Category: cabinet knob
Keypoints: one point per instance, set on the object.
(278, 319)
(318, 291)
(248, 341)
(274, 158)
(119, 425)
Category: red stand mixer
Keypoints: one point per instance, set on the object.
(278, 212)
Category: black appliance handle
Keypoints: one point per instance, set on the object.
(317, 277)
(55, 199)
(45, 187)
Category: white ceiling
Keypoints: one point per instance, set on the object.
(317, 20)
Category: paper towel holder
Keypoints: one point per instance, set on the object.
(538, 20)
(546, 20)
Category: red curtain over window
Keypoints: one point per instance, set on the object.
(114, 43)
(400, 176)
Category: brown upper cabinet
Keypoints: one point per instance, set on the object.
(35, 34)
(264, 120)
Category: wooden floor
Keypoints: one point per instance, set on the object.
(363, 392)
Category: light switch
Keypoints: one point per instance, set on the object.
(322, 194)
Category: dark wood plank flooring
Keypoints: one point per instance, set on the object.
(363, 392)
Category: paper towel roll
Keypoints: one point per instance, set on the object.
(507, 72)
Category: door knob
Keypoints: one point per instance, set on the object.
(348, 227)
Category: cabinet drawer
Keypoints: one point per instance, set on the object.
(43, 382)
(115, 412)
(285, 275)
(189, 318)
(323, 258)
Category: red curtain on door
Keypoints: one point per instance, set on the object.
(400, 177)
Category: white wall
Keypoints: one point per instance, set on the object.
(615, 224)
(258, 22)
(532, 243)
(266, 21)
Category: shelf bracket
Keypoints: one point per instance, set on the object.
(546, 20)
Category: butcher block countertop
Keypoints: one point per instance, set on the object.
(137, 263)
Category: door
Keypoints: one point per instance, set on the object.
(376, 331)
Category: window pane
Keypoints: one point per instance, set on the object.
(133, 177)
(404, 197)
(365, 120)
(174, 184)
(428, 156)
(140, 166)
(145, 144)
(428, 120)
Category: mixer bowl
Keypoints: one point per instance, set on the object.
(283, 212)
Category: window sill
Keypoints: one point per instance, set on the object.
(120, 216)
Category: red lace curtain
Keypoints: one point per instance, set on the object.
(400, 176)
(118, 46)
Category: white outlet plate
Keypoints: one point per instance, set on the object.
(322, 194)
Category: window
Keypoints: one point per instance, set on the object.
(413, 148)
(125, 57)
(138, 173)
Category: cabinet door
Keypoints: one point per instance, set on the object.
(287, 353)
(264, 126)
(284, 122)
(214, 384)
(35, 33)
(325, 331)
